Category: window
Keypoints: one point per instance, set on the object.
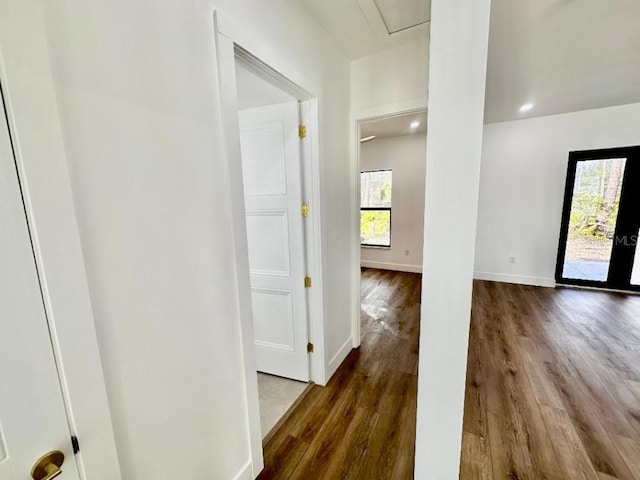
(375, 208)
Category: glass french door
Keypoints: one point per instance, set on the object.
(601, 220)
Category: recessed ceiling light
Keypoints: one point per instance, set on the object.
(367, 139)
(526, 107)
(415, 124)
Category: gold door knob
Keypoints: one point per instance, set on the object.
(48, 466)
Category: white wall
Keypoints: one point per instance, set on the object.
(396, 75)
(406, 156)
(456, 108)
(136, 87)
(524, 168)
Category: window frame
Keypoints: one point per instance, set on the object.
(377, 209)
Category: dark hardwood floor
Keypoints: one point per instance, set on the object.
(553, 390)
(362, 424)
(553, 385)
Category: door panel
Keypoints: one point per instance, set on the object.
(599, 233)
(268, 235)
(273, 196)
(273, 317)
(264, 160)
(32, 413)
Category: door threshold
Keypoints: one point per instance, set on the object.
(267, 438)
(597, 289)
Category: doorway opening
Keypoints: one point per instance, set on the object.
(270, 124)
(271, 148)
(392, 162)
(392, 169)
(600, 222)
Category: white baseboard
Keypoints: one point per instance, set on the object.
(246, 473)
(398, 267)
(518, 279)
(339, 357)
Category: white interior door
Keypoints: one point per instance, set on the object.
(273, 197)
(33, 421)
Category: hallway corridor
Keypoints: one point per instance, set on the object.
(362, 424)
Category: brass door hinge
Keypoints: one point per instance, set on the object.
(302, 131)
(309, 347)
(305, 210)
(307, 282)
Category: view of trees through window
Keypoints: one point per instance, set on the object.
(375, 208)
(594, 213)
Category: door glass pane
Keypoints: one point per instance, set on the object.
(594, 213)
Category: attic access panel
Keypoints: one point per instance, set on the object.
(399, 15)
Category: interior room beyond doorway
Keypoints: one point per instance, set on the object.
(392, 187)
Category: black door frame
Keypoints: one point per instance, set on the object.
(625, 242)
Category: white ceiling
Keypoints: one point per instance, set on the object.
(363, 27)
(562, 56)
(255, 92)
(394, 126)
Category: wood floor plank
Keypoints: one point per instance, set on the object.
(349, 455)
(529, 448)
(543, 388)
(630, 450)
(283, 457)
(604, 476)
(501, 463)
(384, 445)
(593, 378)
(573, 461)
(634, 387)
(476, 459)
(594, 435)
(404, 463)
(321, 456)
(621, 395)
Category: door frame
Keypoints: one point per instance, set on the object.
(417, 105)
(33, 119)
(233, 41)
(632, 154)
